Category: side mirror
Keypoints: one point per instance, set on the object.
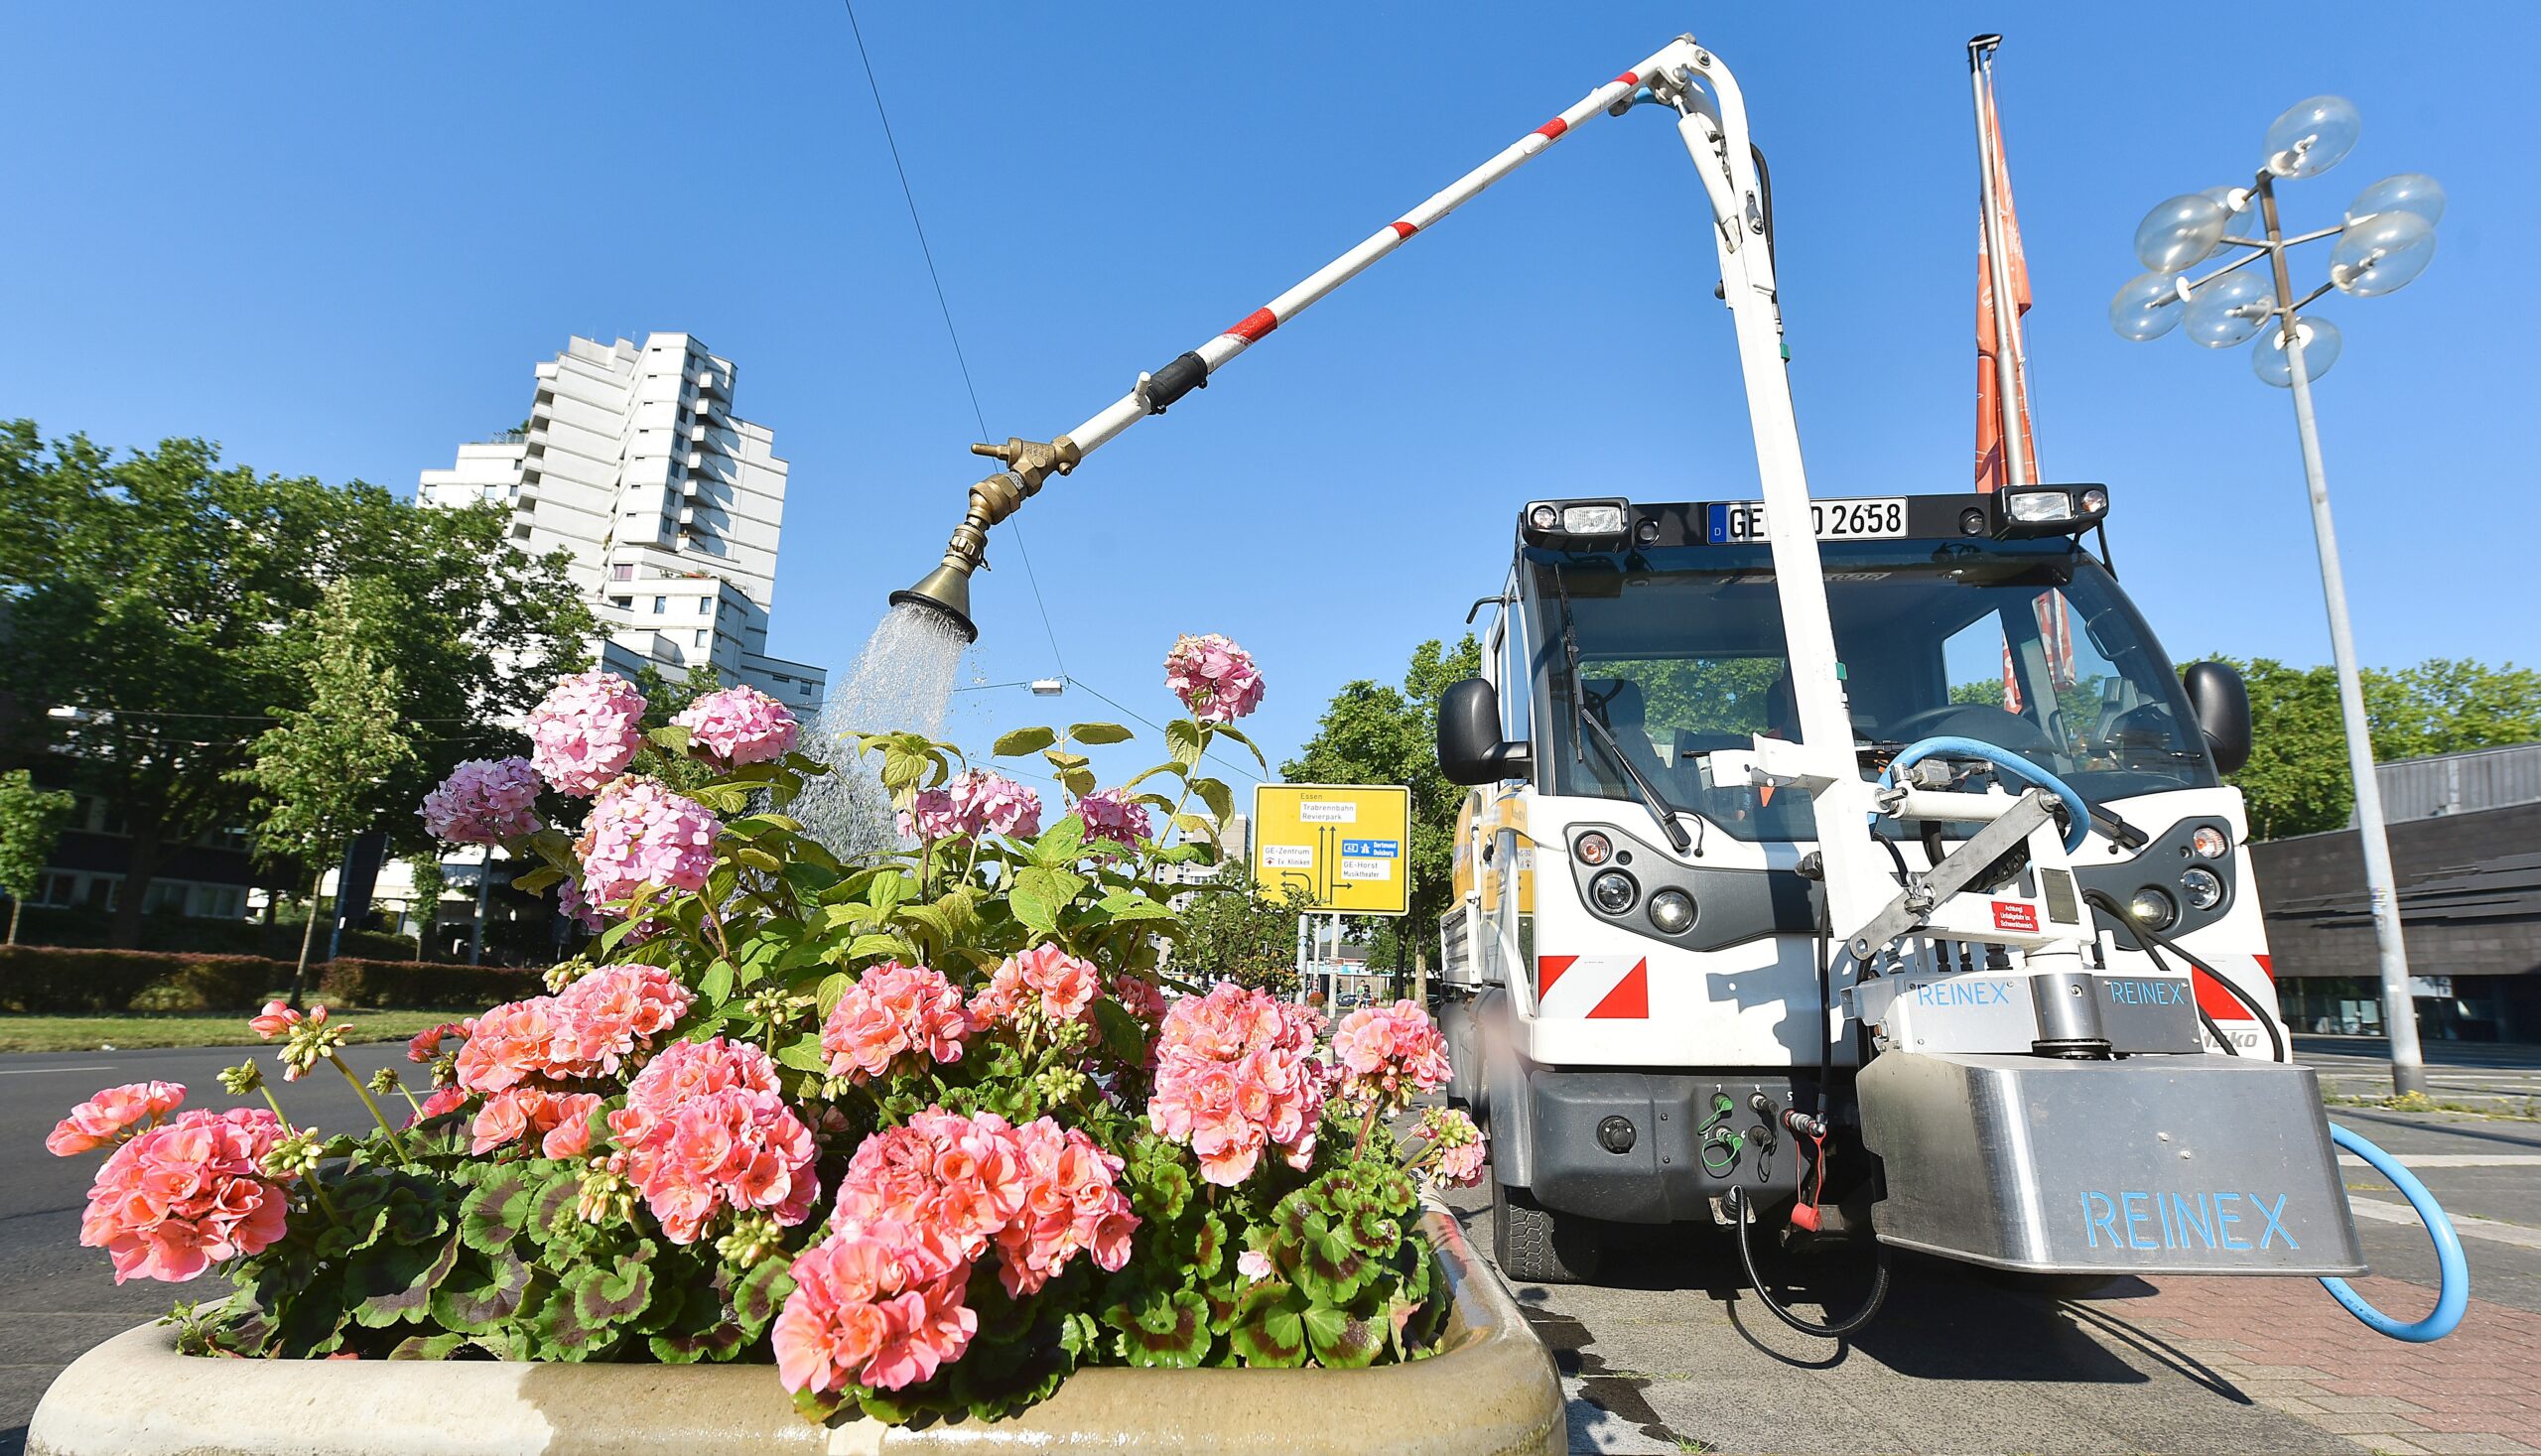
(1469, 747)
(2222, 708)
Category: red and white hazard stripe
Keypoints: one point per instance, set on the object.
(1249, 331)
(1593, 988)
(2221, 1004)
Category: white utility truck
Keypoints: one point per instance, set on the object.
(1839, 867)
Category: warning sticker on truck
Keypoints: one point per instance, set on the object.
(2014, 915)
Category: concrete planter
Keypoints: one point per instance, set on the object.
(1491, 1390)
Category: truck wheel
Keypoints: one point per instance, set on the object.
(1533, 1245)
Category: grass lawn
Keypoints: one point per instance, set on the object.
(188, 1028)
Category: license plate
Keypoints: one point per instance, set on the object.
(1740, 522)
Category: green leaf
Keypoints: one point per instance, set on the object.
(1021, 742)
(1058, 886)
(1122, 1035)
(716, 985)
(887, 892)
(1219, 798)
(1099, 732)
(1033, 912)
(759, 860)
(1342, 1340)
(760, 1293)
(535, 880)
(496, 1210)
(1061, 844)
(430, 1347)
(392, 1284)
(832, 987)
(808, 880)
(671, 735)
(1275, 1337)
(614, 1295)
(804, 1054)
(1227, 732)
(482, 1293)
(1168, 1329)
(1126, 905)
(1183, 742)
(875, 945)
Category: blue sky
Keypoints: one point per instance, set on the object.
(336, 238)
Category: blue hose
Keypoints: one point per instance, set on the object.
(2078, 815)
(2453, 1293)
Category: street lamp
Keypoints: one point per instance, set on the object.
(2385, 240)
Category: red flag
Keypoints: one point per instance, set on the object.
(1993, 472)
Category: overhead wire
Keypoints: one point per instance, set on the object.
(977, 415)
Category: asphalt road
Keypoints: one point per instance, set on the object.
(1676, 1356)
(56, 1298)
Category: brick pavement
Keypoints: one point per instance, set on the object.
(2286, 1344)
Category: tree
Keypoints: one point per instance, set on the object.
(161, 604)
(2297, 782)
(1235, 932)
(324, 773)
(1377, 734)
(31, 819)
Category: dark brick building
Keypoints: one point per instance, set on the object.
(2465, 848)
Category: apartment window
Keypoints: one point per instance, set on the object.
(805, 690)
(624, 570)
(700, 637)
(661, 605)
(704, 604)
(622, 602)
(521, 531)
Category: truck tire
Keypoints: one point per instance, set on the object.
(1533, 1245)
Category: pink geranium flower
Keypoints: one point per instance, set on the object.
(1116, 816)
(1061, 986)
(1072, 1203)
(485, 801)
(739, 725)
(424, 1045)
(1214, 678)
(178, 1199)
(1459, 1143)
(893, 1014)
(104, 1118)
(869, 1309)
(586, 731)
(588, 1030)
(276, 1018)
(642, 836)
(1236, 1076)
(1388, 1053)
(705, 1131)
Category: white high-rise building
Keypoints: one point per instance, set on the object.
(633, 461)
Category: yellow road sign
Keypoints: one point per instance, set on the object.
(1345, 848)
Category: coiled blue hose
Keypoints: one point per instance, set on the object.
(2453, 1293)
(2078, 815)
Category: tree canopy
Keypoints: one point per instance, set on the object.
(162, 606)
(1374, 733)
(31, 819)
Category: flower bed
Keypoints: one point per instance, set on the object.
(928, 1133)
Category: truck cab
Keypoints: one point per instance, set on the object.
(1641, 945)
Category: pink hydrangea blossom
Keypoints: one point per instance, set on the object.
(1114, 815)
(103, 1118)
(561, 1120)
(995, 803)
(1460, 1147)
(739, 725)
(642, 834)
(586, 731)
(1388, 1053)
(871, 1310)
(1060, 985)
(932, 815)
(1214, 678)
(1234, 1075)
(576, 907)
(893, 1014)
(180, 1198)
(1071, 1203)
(484, 801)
(704, 1130)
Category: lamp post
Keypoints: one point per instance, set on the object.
(2385, 240)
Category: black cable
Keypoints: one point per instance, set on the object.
(977, 415)
(1832, 1329)
(2148, 938)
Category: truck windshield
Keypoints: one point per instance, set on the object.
(2027, 646)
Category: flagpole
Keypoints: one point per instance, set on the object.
(2007, 397)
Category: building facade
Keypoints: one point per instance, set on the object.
(2465, 848)
(669, 505)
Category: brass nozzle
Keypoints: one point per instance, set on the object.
(947, 589)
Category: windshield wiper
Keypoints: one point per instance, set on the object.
(1662, 811)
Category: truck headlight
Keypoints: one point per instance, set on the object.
(2209, 842)
(1672, 911)
(2203, 886)
(1614, 892)
(2153, 909)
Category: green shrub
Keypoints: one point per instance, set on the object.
(59, 981)
(374, 983)
(224, 982)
